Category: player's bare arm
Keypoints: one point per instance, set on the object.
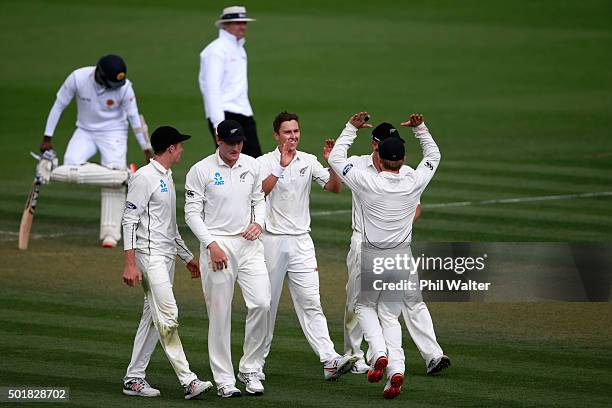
(252, 232)
(415, 120)
(193, 266)
(334, 184)
(359, 120)
(218, 257)
(46, 144)
(269, 182)
(130, 270)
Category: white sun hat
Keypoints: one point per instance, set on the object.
(233, 13)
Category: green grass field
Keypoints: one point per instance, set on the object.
(517, 95)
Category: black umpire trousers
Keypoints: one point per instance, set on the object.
(251, 144)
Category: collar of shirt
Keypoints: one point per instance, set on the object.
(371, 160)
(231, 38)
(298, 155)
(220, 161)
(158, 166)
(99, 88)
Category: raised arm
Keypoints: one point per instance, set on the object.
(338, 159)
(334, 182)
(431, 153)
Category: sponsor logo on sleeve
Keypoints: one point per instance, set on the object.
(189, 193)
(347, 168)
(429, 165)
(130, 205)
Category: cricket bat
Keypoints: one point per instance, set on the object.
(28, 214)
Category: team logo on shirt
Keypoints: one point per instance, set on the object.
(130, 206)
(110, 102)
(218, 179)
(163, 186)
(243, 176)
(303, 171)
(347, 168)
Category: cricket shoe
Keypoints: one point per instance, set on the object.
(393, 388)
(139, 387)
(197, 388)
(229, 391)
(438, 364)
(360, 367)
(377, 370)
(109, 242)
(336, 368)
(252, 382)
(261, 376)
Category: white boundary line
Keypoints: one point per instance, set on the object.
(488, 202)
(13, 236)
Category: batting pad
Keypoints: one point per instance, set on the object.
(111, 212)
(90, 173)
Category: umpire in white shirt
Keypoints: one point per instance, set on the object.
(223, 78)
(389, 200)
(152, 242)
(225, 209)
(105, 104)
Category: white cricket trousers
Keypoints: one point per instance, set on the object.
(112, 146)
(293, 256)
(416, 314)
(159, 319)
(246, 266)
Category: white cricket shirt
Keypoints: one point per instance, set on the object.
(223, 200)
(388, 200)
(365, 163)
(223, 78)
(149, 218)
(288, 204)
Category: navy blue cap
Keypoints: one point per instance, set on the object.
(230, 131)
(385, 130)
(112, 71)
(391, 148)
(165, 136)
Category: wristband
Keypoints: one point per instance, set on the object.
(278, 171)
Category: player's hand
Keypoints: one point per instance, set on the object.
(285, 158)
(415, 120)
(46, 144)
(327, 148)
(359, 120)
(252, 232)
(131, 274)
(218, 258)
(148, 155)
(194, 267)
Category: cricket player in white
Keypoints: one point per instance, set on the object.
(225, 209)
(389, 201)
(152, 242)
(416, 314)
(289, 251)
(105, 103)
